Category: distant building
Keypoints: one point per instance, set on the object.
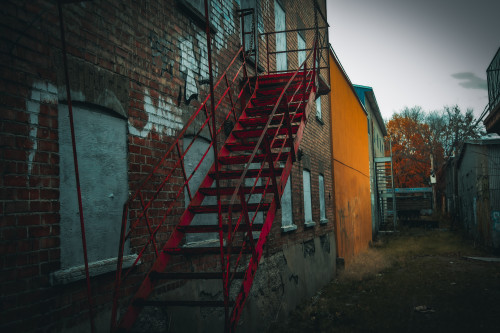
(492, 121)
(473, 189)
(380, 163)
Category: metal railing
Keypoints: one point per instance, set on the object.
(321, 58)
(161, 188)
(293, 98)
(493, 77)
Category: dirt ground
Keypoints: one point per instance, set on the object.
(416, 280)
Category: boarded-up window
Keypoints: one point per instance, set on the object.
(101, 144)
(279, 23)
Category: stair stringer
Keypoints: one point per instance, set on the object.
(271, 213)
(175, 238)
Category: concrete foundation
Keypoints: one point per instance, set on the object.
(283, 281)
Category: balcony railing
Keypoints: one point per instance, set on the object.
(493, 76)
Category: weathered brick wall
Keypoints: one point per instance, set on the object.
(144, 62)
(315, 145)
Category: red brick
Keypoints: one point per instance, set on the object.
(15, 180)
(50, 242)
(41, 231)
(14, 233)
(32, 219)
(27, 272)
(16, 207)
(15, 155)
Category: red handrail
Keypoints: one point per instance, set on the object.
(309, 82)
(138, 196)
(259, 143)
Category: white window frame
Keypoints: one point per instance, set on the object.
(322, 200)
(307, 189)
(287, 208)
(281, 58)
(318, 108)
(301, 45)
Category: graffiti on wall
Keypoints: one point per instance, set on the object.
(160, 48)
(495, 218)
(41, 92)
(163, 117)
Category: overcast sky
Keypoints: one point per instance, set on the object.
(429, 53)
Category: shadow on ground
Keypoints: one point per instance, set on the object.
(416, 280)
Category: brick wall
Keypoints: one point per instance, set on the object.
(144, 62)
(315, 146)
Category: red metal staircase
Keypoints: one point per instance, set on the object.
(253, 166)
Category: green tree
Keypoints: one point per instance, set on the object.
(451, 128)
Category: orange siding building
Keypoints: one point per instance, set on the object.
(351, 173)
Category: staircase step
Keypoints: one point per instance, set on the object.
(249, 146)
(262, 111)
(262, 120)
(213, 304)
(251, 173)
(277, 89)
(272, 100)
(215, 228)
(204, 250)
(255, 133)
(241, 159)
(279, 79)
(192, 276)
(225, 208)
(230, 190)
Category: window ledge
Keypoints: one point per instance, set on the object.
(214, 242)
(72, 274)
(289, 228)
(323, 221)
(309, 224)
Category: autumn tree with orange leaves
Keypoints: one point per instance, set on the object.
(416, 136)
(410, 148)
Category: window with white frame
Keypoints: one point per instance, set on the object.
(251, 21)
(301, 45)
(286, 209)
(318, 107)
(322, 206)
(306, 179)
(279, 25)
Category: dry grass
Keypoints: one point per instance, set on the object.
(365, 265)
(379, 289)
(397, 249)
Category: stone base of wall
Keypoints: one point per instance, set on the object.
(283, 281)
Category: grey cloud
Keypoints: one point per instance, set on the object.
(471, 81)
